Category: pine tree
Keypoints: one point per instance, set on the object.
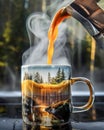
(63, 75)
(30, 77)
(49, 77)
(37, 77)
(41, 80)
(58, 75)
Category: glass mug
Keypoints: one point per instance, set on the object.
(46, 94)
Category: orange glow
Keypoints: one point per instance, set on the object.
(93, 49)
(53, 32)
(44, 92)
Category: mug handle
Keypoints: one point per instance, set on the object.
(89, 104)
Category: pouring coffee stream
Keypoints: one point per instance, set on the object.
(53, 31)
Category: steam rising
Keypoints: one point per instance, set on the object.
(37, 28)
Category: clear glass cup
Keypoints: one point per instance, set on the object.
(46, 94)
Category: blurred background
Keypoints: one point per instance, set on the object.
(86, 58)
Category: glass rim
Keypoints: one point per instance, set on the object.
(46, 65)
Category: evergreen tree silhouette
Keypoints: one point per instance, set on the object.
(63, 74)
(41, 80)
(60, 76)
(37, 77)
(49, 77)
